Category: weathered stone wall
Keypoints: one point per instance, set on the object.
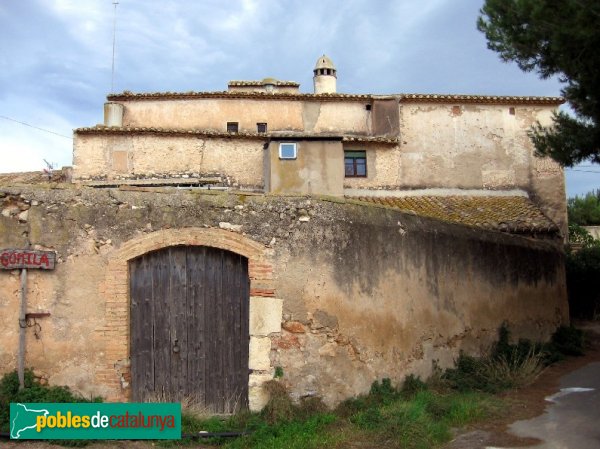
(102, 156)
(479, 146)
(383, 169)
(317, 169)
(280, 115)
(341, 293)
(447, 146)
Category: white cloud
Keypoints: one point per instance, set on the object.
(56, 55)
(24, 149)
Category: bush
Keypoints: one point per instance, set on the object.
(512, 365)
(412, 385)
(280, 406)
(507, 366)
(384, 392)
(583, 282)
(34, 392)
(567, 340)
(580, 236)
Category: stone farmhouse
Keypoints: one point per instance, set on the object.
(206, 240)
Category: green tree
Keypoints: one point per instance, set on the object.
(554, 37)
(584, 210)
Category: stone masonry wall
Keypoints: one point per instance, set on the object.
(236, 162)
(342, 293)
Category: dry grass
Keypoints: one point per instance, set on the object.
(514, 371)
(195, 405)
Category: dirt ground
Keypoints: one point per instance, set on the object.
(525, 403)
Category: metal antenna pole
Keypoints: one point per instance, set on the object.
(112, 80)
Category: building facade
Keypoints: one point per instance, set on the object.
(207, 239)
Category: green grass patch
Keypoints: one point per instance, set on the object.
(295, 434)
(411, 416)
(414, 416)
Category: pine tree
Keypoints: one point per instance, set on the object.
(555, 37)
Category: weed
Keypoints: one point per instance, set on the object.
(412, 385)
(507, 366)
(383, 393)
(278, 372)
(280, 406)
(514, 371)
(310, 406)
(370, 418)
(495, 374)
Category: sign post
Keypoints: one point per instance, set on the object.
(22, 327)
(23, 259)
(12, 259)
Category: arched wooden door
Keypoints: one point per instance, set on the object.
(189, 327)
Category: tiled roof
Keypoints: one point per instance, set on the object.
(514, 214)
(480, 99)
(343, 137)
(235, 94)
(33, 177)
(262, 83)
(100, 129)
(403, 98)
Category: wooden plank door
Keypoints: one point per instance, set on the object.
(189, 327)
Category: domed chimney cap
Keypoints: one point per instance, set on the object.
(324, 62)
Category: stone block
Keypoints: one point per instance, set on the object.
(265, 315)
(260, 349)
(295, 327)
(328, 350)
(257, 395)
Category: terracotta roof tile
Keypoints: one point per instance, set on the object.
(100, 129)
(249, 83)
(403, 98)
(514, 214)
(34, 177)
(481, 99)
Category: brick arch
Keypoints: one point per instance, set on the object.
(113, 373)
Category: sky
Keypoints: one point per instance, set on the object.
(56, 58)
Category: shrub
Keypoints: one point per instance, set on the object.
(516, 370)
(34, 392)
(384, 392)
(568, 340)
(512, 365)
(580, 236)
(280, 406)
(310, 406)
(507, 366)
(412, 385)
(583, 285)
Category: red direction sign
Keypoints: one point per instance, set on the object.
(11, 259)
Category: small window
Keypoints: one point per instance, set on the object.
(355, 164)
(261, 127)
(287, 151)
(232, 127)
